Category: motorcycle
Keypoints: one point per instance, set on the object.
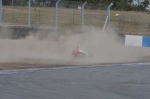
(79, 53)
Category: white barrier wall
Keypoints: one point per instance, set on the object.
(133, 40)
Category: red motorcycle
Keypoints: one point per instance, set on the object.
(79, 53)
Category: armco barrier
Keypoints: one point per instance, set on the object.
(133, 40)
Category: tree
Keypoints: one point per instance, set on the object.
(117, 4)
(6, 2)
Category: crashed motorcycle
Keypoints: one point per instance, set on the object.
(79, 53)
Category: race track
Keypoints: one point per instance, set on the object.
(126, 81)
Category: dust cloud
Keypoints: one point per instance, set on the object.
(56, 48)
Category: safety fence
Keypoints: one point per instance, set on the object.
(68, 14)
(135, 23)
(71, 15)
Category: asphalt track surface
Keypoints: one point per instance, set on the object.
(124, 81)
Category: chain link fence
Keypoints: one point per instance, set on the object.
(135, 23)
(70, 16)
(40, 14)
(44, 14)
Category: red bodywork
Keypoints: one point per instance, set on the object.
(75, 52)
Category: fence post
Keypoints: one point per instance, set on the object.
(1, 13)
(105, 23)
(121, 18)
(29, 5)
(3, 18)
(39, 17)
(107, 17)
(57, 14)
(83, 15)
(90, 17)
(108, 13)
(73, 17)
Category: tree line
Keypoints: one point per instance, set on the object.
(125, 5)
